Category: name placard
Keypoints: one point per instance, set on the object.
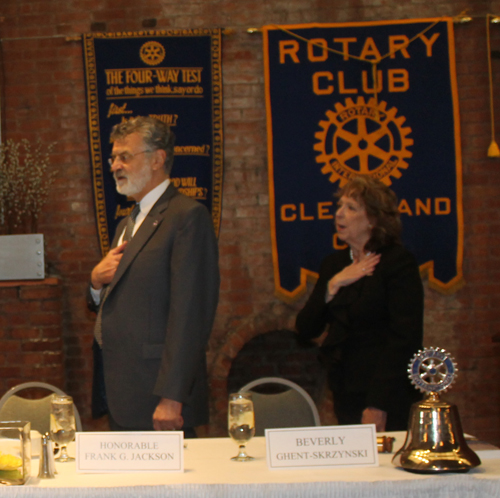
(320, 447)
(109, 452)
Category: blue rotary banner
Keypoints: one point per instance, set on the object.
(174, 76)
(377, 99)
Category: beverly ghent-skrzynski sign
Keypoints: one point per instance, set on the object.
(320, 447)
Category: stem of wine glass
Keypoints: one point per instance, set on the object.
(63, 457)
(243, 452)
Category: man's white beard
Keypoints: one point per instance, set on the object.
(136, 181)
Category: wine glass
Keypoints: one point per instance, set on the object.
(62, 423)
(241, 422)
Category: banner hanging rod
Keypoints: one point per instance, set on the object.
(72, 38)
(68, 38)
(462, 18)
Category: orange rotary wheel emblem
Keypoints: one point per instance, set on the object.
(363, 138)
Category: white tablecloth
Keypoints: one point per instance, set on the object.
(209, 473)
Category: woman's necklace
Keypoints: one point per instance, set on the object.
(352, 255)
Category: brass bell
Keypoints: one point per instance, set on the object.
(435, 441)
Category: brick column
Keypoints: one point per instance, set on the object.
(31, 346)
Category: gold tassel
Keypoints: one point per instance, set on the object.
(493, 150)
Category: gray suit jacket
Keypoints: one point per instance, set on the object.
(158, 314)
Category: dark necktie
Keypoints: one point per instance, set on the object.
(127, 236)
(129, 229)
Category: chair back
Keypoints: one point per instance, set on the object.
(291, 408)
(36, 411)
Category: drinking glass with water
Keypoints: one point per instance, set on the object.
(62, 424)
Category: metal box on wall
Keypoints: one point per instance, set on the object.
(22, 257)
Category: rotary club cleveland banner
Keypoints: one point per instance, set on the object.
(172, 75)
(378, 99)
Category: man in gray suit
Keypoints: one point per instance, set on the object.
(156, 294)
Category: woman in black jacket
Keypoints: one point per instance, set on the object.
(370, 296)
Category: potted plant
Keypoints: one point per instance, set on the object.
(25, 181)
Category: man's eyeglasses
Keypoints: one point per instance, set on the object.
(125, 157)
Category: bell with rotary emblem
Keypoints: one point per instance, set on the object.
(435, 441)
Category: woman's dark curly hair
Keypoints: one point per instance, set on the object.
(381, 206)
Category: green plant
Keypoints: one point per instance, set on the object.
(25, 182)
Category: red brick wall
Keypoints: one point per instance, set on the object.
(44, 97)
(31, 346)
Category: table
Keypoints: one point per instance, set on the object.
(209, 473)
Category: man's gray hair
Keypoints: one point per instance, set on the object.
(156, 135)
